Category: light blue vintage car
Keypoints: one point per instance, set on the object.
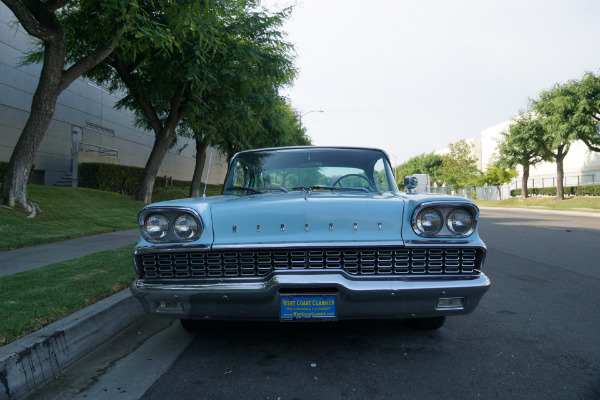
(310, 234)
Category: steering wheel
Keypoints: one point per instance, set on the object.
(355, 175)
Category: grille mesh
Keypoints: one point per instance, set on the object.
(368, 261)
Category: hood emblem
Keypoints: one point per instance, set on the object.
(234, 229)
(306, 192)
(331, 226)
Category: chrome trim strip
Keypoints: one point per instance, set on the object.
(390, 243)
(445, 243)
(323, 279)
(175, 248)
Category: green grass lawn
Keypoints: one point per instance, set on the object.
(66, 213)
(32, 299)
(585, 203)
(73, 212)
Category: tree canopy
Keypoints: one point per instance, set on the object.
(59, 25)
(223, 57)
(430, 164)
(459, 166)
(520, 144)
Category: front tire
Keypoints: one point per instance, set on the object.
(428, 324)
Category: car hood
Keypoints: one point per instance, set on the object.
(297, 218)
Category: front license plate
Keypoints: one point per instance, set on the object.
(308, 307)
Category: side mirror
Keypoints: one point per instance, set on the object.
(410, 182)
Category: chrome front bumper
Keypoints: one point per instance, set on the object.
(357, 298)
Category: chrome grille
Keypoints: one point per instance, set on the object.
(369, 261)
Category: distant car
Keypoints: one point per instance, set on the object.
(310, 234)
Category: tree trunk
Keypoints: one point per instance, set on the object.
(14, 186)
(162, 143)
(524, 180)
(560, 174)
(199, 168)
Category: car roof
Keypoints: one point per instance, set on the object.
(312, 148)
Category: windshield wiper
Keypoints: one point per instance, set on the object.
(333, 188)
(281, 189)
(257, 190)
(249, 189)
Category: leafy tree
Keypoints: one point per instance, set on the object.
(213, 41)
(279, 125)
(556, 111)
(430, 164)
(521, 145)
(459, 166)
(587, 112)
(59, 25)
(496, 176)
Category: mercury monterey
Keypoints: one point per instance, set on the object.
(310, 234)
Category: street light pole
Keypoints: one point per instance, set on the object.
(308, 112)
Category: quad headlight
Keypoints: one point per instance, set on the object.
(185, 226)
(429, 221)
(156, 226)
(169, 225)
(460, 221)
(441, 219)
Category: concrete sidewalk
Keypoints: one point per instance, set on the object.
(27, 258)
(30, 362)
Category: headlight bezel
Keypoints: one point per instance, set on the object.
(171, 214)
(446, 208)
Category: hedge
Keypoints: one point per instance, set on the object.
(117, 178)
(583, 190)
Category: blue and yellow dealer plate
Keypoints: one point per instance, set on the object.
(308, 307)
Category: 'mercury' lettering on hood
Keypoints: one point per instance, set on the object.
(320, 218)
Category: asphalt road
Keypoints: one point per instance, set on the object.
(535, 335)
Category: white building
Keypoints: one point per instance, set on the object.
(581, 166)
(86, 127)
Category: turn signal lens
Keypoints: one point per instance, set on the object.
(460, 222)
(429, 222)
(156, 226)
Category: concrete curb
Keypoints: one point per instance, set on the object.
(30, 362)
(544, 211)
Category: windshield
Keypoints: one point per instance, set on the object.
(331, 169)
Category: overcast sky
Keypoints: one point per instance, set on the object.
(412, 77)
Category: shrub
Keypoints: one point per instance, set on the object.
(117, 178)
(583, 190)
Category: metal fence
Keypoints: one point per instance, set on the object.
(585, 178)
(97, 150)
(492, 192)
